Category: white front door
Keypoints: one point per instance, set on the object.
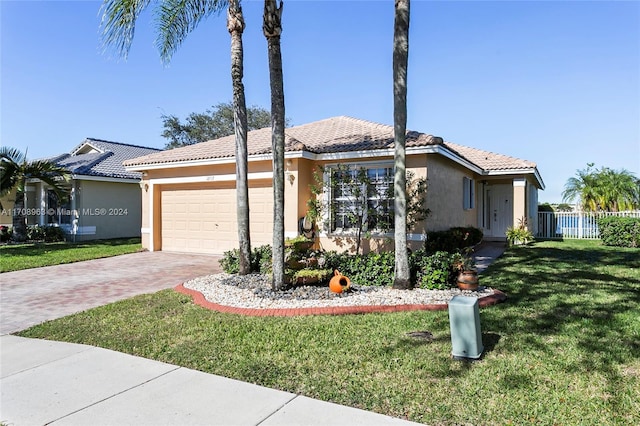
(498, 210)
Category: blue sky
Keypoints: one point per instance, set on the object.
(557, 83)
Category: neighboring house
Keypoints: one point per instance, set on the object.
(189, 201)
(104, 198)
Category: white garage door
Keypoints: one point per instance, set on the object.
(201, 218)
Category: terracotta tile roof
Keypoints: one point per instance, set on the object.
(489, 160)
(332, 135)
(337, 134)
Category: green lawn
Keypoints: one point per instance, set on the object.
(563, 349)
(26, 256)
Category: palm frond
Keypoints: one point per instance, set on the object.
(11, 161)
(175, 19)
(12, 155)
(9, 177)
(50, 173)
(118, 23)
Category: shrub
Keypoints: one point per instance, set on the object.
(453, 239)
(374, 269)
(48, 234)
(518, 236)
(433, 271)
(5, 233)
(619, 231)
(260, 260)
(53, 234)
(436, 271)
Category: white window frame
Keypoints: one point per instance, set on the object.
(328, 196)
(468, 193)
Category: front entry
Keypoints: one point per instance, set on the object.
(498, 211)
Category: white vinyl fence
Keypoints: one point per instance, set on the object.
(574, 224)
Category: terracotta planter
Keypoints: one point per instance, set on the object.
(307, 280)
(468, 280)
(295, 264)
(339, 283)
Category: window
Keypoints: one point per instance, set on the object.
(468, 193)
(58, 212)
(361, 198)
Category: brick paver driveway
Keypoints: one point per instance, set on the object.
(32, 296)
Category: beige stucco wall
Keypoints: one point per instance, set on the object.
(415, 164)
(113, 208)
(445, 195)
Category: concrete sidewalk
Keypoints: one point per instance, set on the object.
(45, 382)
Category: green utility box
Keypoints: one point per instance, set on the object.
(464, 319)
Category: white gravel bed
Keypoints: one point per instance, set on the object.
(254, 291)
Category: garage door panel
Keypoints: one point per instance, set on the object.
(201, 218)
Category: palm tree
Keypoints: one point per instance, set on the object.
(175, 19)
(15, 170)
(402, 276)
(272, 28)
(235, 25)
(582, 187)
(604, 189)
(620, 190)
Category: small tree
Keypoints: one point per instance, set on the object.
(214, 123)
(15, 170)
(370, 206)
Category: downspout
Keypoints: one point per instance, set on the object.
(74, 210)
(43, 204)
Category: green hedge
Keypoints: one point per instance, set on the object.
(428, 270)
(432, 267)
(453, 239)
(48, 234)
(435, 271)
(374, 269)
(619, 231)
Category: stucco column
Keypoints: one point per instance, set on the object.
(41, 202)
(519, 200)
(151, 225)
(291, 213)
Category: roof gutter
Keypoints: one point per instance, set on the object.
(352, 155)
(533, 171)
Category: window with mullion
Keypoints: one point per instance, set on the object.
(362, 193)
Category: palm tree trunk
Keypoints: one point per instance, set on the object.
(19, 219)
(402, 277)
(272, 29)
(235, 25)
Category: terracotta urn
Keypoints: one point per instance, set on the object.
(339, 283)
(468, 280)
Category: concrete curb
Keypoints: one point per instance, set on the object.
(199, 299)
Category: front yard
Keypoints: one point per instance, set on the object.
(15, 257)
(563, 349)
